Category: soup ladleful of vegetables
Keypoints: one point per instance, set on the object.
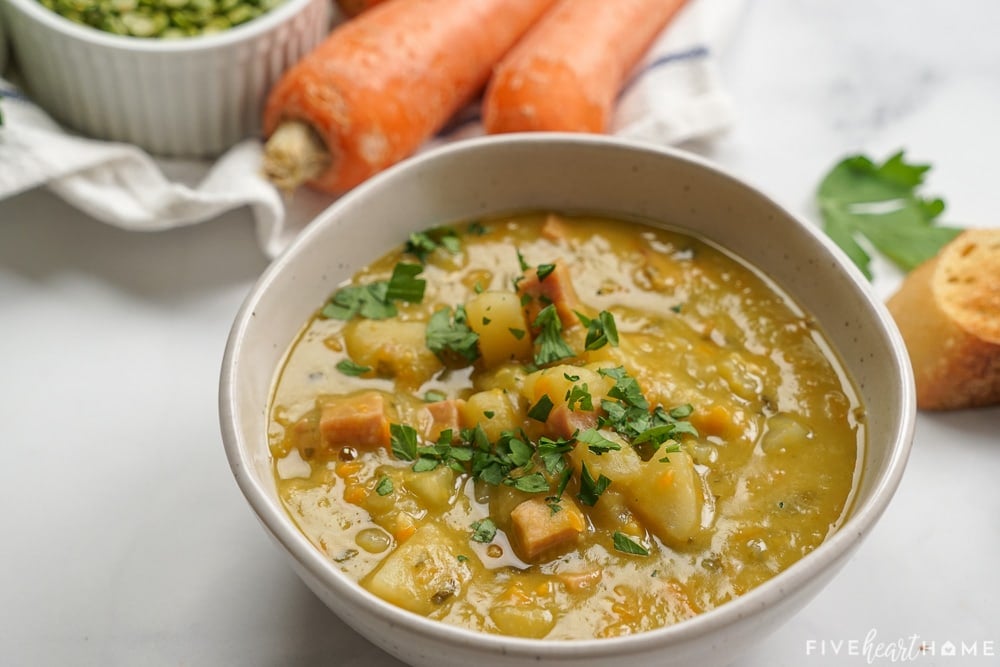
(563, 427)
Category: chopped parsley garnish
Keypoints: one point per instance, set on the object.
(540, 410)
(348, 367)
(443, 452)
(384, 486)
(601, 330)
(434, 396)
(484, 531)
(551, 346)
(375, 301)
(578, 397)
(882, 203)
(403, 439)
(552, 454)
(532, 483)
(422, 244)
(517, 333)
(476, 228)
(404, 284)
(368, 301)
(544, 270)
(523, 264)
(462, 558)
(596, 442)
(450, 338)
(627, 545)
(591, 489)
(627, 413)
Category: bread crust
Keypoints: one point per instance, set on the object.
(948, 311)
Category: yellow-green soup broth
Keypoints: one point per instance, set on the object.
(581, 428)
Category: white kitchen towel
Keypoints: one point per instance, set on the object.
(675, 95)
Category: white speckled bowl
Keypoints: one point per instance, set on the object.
(581, 173)
(192, 97)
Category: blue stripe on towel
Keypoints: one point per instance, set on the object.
(694, 53)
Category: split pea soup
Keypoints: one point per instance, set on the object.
(541, 425)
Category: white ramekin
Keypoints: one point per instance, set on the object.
(192, 97)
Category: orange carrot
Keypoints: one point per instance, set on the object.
(355, 7)
(567, 71)
(383, 83)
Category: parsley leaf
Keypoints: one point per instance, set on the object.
(384, 486)
(434, 395)
(591, 489)
(540, 411)
(596, 442)
(881, 203)
(422, 244)
(627, 545)
(533, 483)
(578, 397)
(365, 300)
(551, 346)
(601, 330)
(484, 530)
(374, 301)
(404, 441)
(449, 337)
(404, 284)
(544, 270)
(348, 367)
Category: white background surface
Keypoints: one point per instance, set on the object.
(124, 540)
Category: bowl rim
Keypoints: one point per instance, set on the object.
(155, 45)
(829, 554)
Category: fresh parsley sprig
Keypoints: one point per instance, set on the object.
(882, 203)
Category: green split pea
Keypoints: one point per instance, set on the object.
(166, 19)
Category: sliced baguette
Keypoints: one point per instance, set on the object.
(948, 310)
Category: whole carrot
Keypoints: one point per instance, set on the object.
(382, 83)
(567, 71)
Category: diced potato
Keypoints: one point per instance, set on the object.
(503, 331)
(493, 410)
(394, 349)
(557, 382)
(422, 573)
(536, 530)
(523, 620)
(784, 432)
(434, 488)
(509, 376)
(667, 498)
(621, 466)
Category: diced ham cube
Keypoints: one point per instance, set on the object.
(555, 288)
(358, 421)
(441, 416)
(536, 529)
(563, 422)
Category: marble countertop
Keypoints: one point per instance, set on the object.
(126, 541)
